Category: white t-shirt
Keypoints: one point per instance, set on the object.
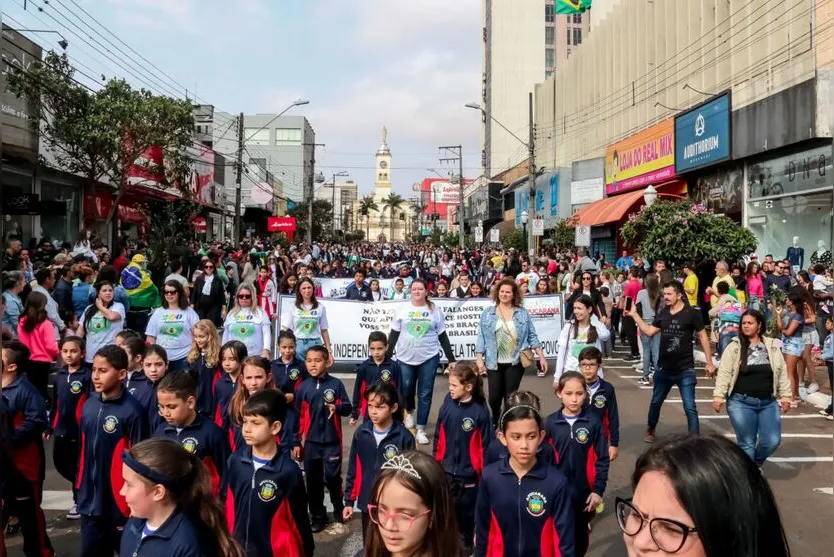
(100, 331)
(308, 322)
(172, 329)
(419, 328)
(532, 280)
(252, 328)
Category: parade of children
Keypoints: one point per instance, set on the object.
(170, 441)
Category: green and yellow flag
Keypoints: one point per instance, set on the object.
(571, 6)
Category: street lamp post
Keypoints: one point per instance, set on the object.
(333, 204)
(650, 196)
(524, 218)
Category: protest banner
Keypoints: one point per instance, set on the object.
(337, 287)
(352, 321)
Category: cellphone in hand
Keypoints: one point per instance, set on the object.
(628, 303)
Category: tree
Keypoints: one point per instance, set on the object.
(393, 203)
(100, 135)
(366, 205)
(680, 231)
(169, 226)
(512, 239)
(322, 218)
(564, 234)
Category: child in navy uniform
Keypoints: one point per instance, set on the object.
(177, 397)
(523, 502)
(376, 441)
(203, 363)
(497, 451)
(602, 399)
(232, 355)
(266, 503)
(155, 365)
(288, 370)
(111, 421)
(322, 401)
(27, 410)
(378, 368)
(463, 435)
(173, 511)
(136, 383)
(580, 452)
(70, 391)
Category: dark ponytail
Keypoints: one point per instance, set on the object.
(468, 374)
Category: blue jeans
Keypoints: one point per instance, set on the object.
(754, 418)
(304, 344)
(663, 383)
(651, 350)
(423, 374)
(724, 339)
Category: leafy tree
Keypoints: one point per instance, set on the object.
(681, 231)
(564, 233)
(366, 206)
(169, 227)
(99, 135)
(322, 218)
(393, 203)
(513, 239)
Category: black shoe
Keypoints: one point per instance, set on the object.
(632, 358)
(318, 525)
(337, 517)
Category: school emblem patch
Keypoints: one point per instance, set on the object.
(267, 491)
(189, 444)
(390, 451)
(329, 396)
(468, 424)
(599, 401)
(75, 387)
(110, 424)
(536, 504)
(385, 375)
(294, 374)
(582, 435)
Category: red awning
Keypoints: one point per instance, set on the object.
(614, 209)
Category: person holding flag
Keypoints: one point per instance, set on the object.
(141, 291)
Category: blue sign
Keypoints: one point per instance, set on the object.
(522, 203)
(539, 202)
(554, 195)
(702, 135)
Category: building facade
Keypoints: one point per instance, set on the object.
(345, 197)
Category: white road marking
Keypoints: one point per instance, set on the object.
(784, 417)
(800, 459)
(697, 400)
(57, 500)
(796, 435)
(648, 388)
(825, 490)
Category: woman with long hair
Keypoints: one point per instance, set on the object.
(418, 332)
(755, 286)
(171, 325)
(108, 273)
(685, 505)
(102, 320)
(753, 381)
(648, 302)
(289, 284)
(805, 368)
(13, 284)
(37, 333)
(308, 321)
(248, 323)
(790, 324)
(584, 330)
(411, 510)
(208, 296)
(81, 290)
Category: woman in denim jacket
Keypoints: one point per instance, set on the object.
(505, 330)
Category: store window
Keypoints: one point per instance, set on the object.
(16, 226)
(62, 228)
(775, 222)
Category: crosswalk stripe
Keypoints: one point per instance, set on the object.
(648, 388)
(801, 459)
(784, 417)
(796, 435)
(697, 400)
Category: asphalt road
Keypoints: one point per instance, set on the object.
(800, 472)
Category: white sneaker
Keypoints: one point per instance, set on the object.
(803, 393)
(73, 514)
(409, 420)
(421, 437)
(813, 387)
(637, 366)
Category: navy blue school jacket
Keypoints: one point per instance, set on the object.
(178, 537)
(205, 440)
(603, 403)
(140, 388)
(28, 414)
(462, 437)
(205, 376)
(267, 509)
(315, 423)
(580, 452)
(368, 374)
(366, 459)
(69, 393)
(108, 428)
(288, 377)
(224, 389)
(531, 517)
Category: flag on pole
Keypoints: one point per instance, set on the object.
(571, 6)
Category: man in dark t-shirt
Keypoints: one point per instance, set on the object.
(677, 324)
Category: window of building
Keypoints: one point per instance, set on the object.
(287, 136)
(577, 35)
(549, 57)
(256, 136)
(547, 75)
(549, 16)
(569, 30)
(549, 35)
(577, 18)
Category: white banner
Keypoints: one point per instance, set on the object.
(445, 192)
(353, 321)
(337, 287)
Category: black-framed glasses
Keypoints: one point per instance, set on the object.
(208, 267)
(669, 535)
(171, 292)
(587, 278)
(244, 297)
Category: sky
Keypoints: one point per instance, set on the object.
(363, 64)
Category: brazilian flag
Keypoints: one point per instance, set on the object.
(571, 6)
(141, 291)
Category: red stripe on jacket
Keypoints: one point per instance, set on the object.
(215, 476)
(550, 540)
(81, 462)
(116, 478)
(230, 509)
(495, 542)
(591, 468)
(357, 482)
(284, 537)
(27, 459)
(440, 451)
(304, 419)
(476, 451)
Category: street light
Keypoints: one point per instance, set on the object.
(333, 205)
(524, 219)
(63, 43)
(476, 106)
(650, 196)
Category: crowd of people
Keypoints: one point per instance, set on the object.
(180, 431)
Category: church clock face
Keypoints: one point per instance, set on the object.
(383, 165)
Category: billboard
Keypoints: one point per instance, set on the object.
(19, 133)
(643, 159)
(702, 135)
(445, 192)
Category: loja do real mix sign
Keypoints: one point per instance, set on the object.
(643, 159)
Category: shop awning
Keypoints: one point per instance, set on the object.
(614, 209)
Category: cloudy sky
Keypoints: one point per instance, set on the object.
(408, 65)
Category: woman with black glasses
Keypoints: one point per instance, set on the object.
(693, 497)
(587, 287)
(170, 326)
(208, 297)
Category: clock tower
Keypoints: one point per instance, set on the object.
(382, 170)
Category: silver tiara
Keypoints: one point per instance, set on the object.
(401, 463)
(511, 408)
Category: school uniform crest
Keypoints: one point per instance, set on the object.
(582, 435)
(329, 396)
(385, 375)
(390, 451)
(75, 387)
(536, 504)
(599, 401)
(190, 444)
(267, 491)
(110, 424)
(468, 424)
(294, 374)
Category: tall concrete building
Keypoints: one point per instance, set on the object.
(345, 195)
(524, 43)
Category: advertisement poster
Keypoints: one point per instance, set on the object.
(702, 135)
(645, 158)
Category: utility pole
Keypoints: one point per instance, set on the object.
(457, 152)
(310, 191)
(531, 178)
(239, 178)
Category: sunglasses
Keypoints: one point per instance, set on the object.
(208, 267)
(171, 292)
(244, 296)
